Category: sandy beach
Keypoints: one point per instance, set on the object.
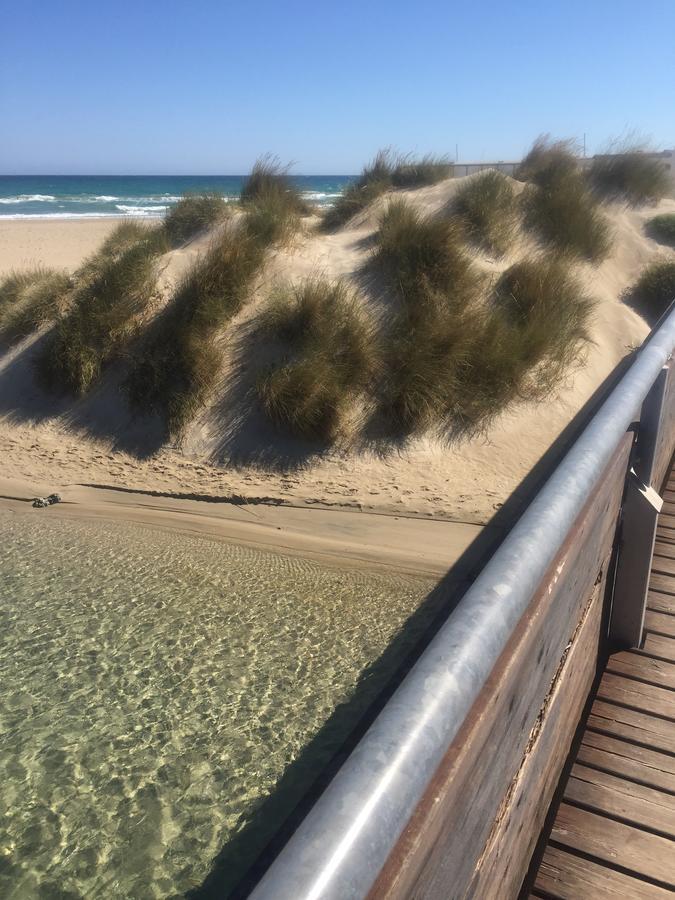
(355, 503)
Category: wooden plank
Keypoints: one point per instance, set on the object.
(665, 535)
(643, 854)
(664, 549)
(669, 495)
(661, 647)
(665, 584)
(660, 623)
(563, 874)
(668, 507)
(471, 791)
(666, 521)
(664, 603)
(663, 565)
(636, 804)
(632, 725)
(642, 668)
(641, 764)
(644, 697)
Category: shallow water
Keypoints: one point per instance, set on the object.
(155, 687)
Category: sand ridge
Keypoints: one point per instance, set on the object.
(51, 443)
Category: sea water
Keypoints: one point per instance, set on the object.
(165, 699)
(146, 196)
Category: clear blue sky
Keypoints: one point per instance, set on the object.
(161, 86)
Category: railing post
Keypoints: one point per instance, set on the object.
(641, 508)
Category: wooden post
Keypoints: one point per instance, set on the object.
(640, 512)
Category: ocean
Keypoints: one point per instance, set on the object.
(146, 196)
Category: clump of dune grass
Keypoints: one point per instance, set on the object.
(548, 160)
(424, 258)
(193, 214)
(662, 229)
(385, 173)
(103, 316)
(123, 236)
(559, 206)
(329, 356)
(654, 291)
(273, 203)
(30, 299)
(487, 207)
(409, 172)
(180, 358)
(451, 358)
(630, 175)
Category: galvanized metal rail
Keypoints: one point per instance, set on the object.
(348, 837)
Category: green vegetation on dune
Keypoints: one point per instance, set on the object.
(654, 291)
(453, 359)
(112, 292)
(179, 360)
(631, 175)
(662, 229)
(30, 299)
(273, 204)
(193, 214)
(329, 356)
(385, 173)
(487, 207)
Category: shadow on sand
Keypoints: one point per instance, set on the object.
(244, 859)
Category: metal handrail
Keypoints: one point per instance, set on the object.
(340, 847)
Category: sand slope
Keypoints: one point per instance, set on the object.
(230, 449)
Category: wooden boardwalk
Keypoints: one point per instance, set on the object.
(614, 830)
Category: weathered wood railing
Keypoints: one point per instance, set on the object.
(445, 795)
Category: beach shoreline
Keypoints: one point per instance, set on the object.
(342, 537)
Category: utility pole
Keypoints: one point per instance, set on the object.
(584, 145)
(456, 152)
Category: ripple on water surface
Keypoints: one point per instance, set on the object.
(155, 687)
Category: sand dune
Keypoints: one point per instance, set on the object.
(229, 449)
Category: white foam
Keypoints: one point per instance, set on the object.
(140, 210)
(103, 199)
(28, 198)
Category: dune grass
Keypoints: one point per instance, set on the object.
(424, 258)
(662, 229)
(385, 173)
(451, 360)
(111, 293)
(30, 299)
(630, 175)
(193, 214)
(329, 356)
(488, 209)
(179, 359)
(654, 291)
(565, 215)
(273, 203)
(548, 160)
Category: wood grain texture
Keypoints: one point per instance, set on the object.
(642, 668)
(663, 565)
(660, 623)
(451, 837)
(640, 764)
(639, 852)
(635, 694)
(632, 725)
(636, 804)
(658, 646)
(659, 602)
(563, 874)
(665, 584)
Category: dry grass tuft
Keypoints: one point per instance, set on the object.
(487, 206)
(180, 359)
(193, 214)
(654, 291)
(329, 356)
(30, 299)
(630, 175)
(273, 204)
(385, 173)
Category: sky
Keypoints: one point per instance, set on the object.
(207, 86)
